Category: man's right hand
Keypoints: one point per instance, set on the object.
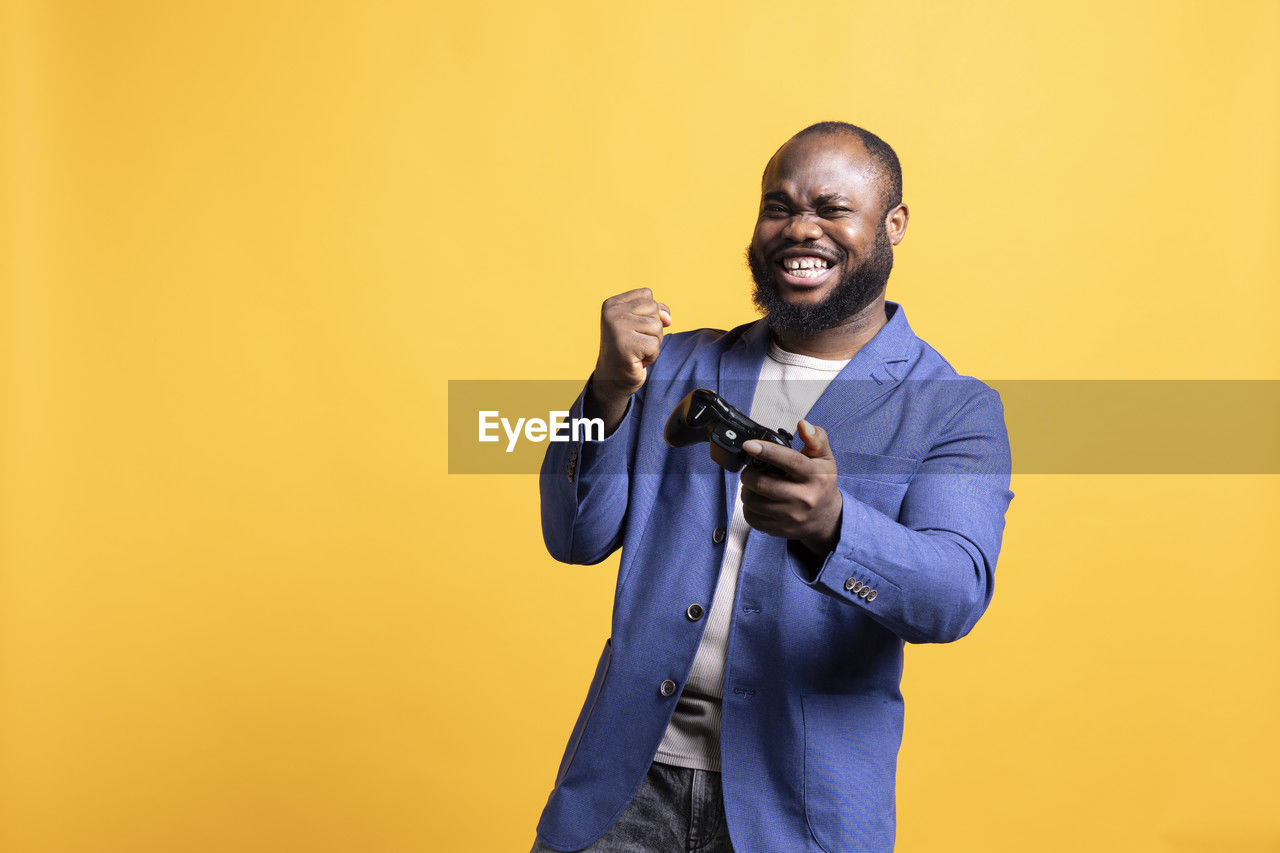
(631, 327)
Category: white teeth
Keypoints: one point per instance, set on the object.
(804, 263)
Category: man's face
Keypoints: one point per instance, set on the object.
(820, 252)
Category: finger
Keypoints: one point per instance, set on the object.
(792, 462)
(644, 348)
(648, 307)
(782, 500)
(621, 303)
(633, 295)
(650, 326)
(816, 444)
(664, 313)
(774, 520)
(761, 485)
(759, 521)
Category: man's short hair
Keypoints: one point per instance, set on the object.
(889, 170)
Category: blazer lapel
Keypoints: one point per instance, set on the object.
(739, 371)
(872, 372)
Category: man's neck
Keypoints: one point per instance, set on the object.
(842, 341)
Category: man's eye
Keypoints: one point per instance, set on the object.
(829, 211)
(774, 208)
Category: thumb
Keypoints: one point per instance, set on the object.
(816, 445)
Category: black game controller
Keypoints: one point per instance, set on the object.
(705, 416)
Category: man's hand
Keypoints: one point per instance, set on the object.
(796, 498)
(631, 327)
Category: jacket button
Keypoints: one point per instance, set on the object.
(667, 688)
(864, 592)
(718, 535)
(871, 596)
(694, 612)
(849, 584)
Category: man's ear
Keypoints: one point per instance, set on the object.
(895, 223)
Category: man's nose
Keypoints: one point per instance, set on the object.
(801, 228)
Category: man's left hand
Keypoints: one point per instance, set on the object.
(795, 495)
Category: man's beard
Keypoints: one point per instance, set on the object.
(855, 291)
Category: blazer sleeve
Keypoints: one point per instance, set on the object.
(928, 576)
(584, 488)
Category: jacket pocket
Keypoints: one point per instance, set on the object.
(584, 716)
(878, 481)
(850, 768)
(875, 466)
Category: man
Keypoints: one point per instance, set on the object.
(748, 697)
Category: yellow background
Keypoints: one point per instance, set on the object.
(245, 245)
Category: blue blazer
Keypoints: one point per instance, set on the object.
(812, 707)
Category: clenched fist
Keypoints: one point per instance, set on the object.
(631, 327)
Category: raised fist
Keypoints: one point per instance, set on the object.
(631, 327)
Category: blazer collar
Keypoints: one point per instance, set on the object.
(872, 372)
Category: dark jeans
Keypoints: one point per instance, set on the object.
(676, 810)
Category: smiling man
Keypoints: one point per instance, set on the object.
(749, 696)
(821, 274)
